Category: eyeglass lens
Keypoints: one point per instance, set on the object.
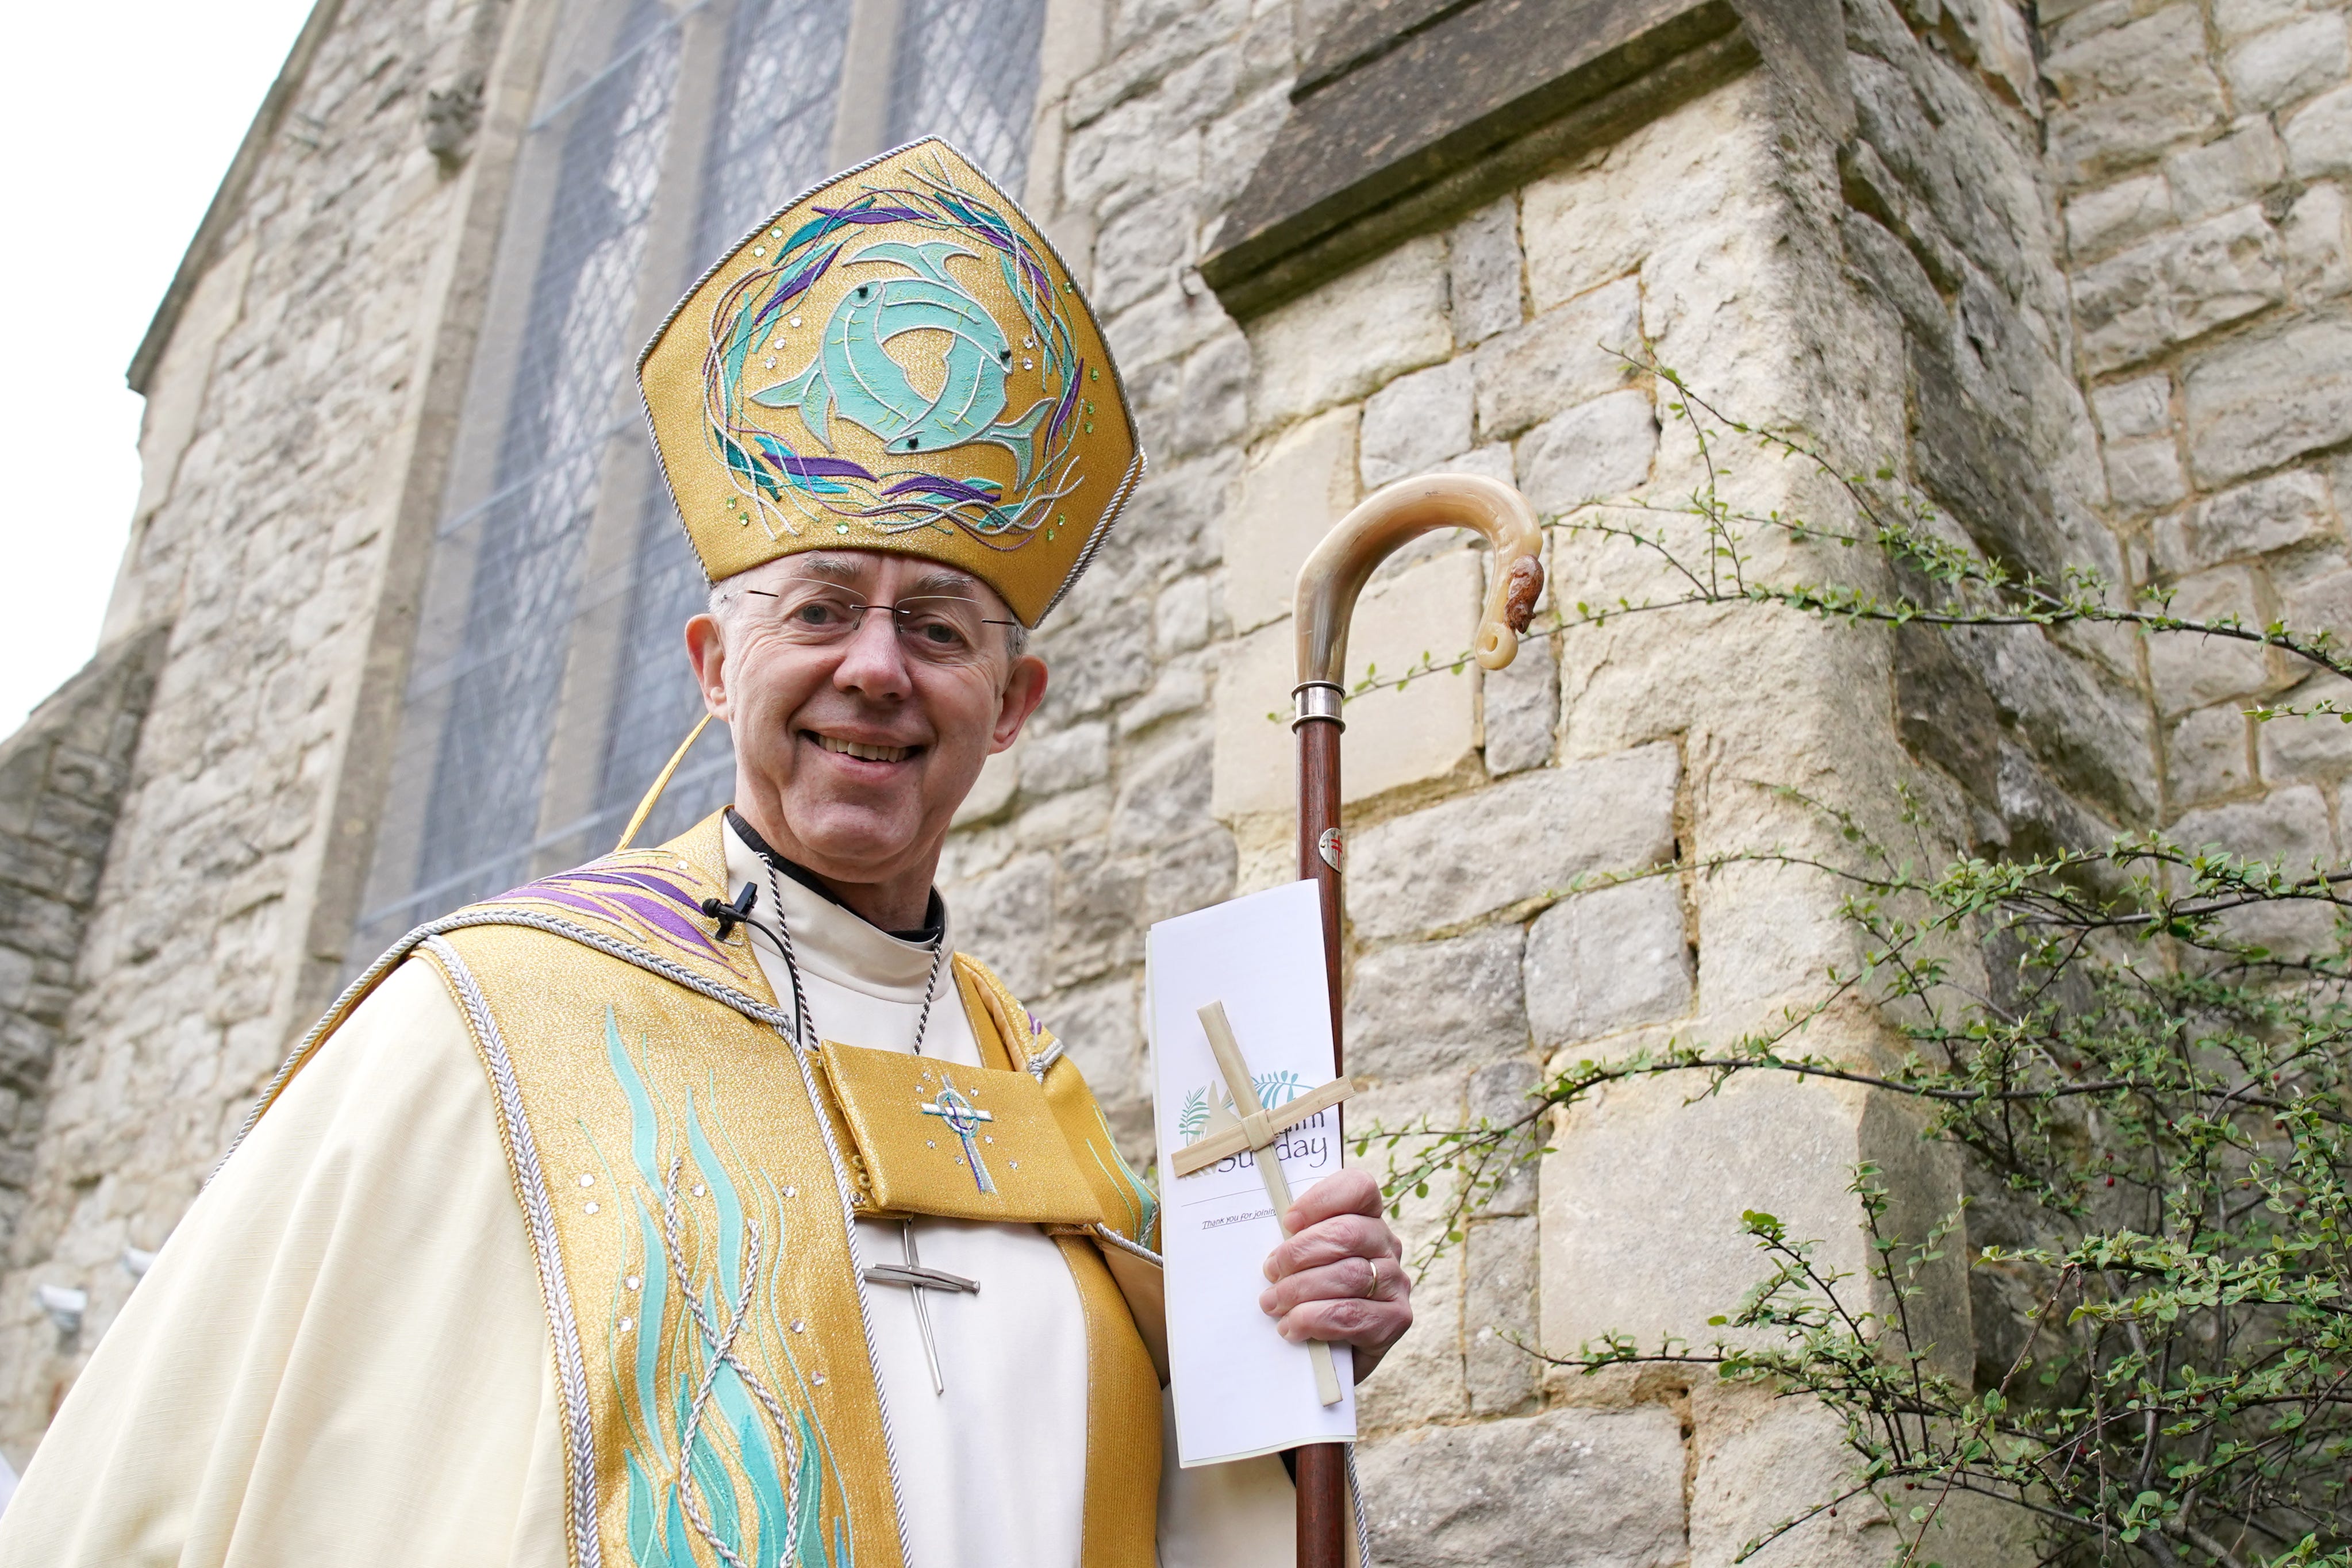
(939, 628)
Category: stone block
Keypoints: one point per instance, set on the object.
(1212, 398)
(1565, 356)
(1163, 792)
(2230, 173)
(1521, 709)
(1344, 340)
(1483, 250)
(1498, 1315)
(2275, 69)
(1502, 1095)
(1181, 689)
(1143, 250)
(1523, 839)
(1596, 451)
(2317, 747)
(2252, 520)
(1426, 731)
(2129, 408)
(1097, 899)
(1681, 175)
(1607, 960)
(2207, 755)
(1179, 616)
(1894, 272)
(2319, 136)
(2189, 671)
(2318, 240)
(1643, 1161)
(1415, 423)
(1290, 498)
(1063, 818)
(1601, 1489)
(2176, 287)
(2126, 94)
(1427, 1008)
(1068, 759)
(1190, 875)
(1253, 768)
(1758, 1461)
(1126, 157)
(1009, 916)
(2144, 475)
(2117, 214)
(2287, 827)
(2257, 401)
(2237, 20)
(2322, 603)
(992, 792)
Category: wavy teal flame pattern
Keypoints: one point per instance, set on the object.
(686, 1368)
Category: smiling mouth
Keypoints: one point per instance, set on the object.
(860, 749)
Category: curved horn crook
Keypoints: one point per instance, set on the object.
(1384, 522)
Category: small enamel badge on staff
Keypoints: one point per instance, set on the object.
(1256, 1130)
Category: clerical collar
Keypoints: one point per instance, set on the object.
(935, 913)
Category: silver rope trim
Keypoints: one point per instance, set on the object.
(864, 1314)
(1356, 1507)
(1106, 1234)
(1044, 1059)
(750, 1006)
(539, 1215)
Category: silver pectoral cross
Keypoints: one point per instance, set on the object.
(915, 1279)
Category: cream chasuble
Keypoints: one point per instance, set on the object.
(343, 1353)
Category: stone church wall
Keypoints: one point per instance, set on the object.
(281, 423)
(2079, 274)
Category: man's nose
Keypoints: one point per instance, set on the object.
(873, 660)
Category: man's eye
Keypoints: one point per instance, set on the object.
(938, 633)
(818, 614)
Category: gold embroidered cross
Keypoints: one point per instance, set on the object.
(1256, 1130)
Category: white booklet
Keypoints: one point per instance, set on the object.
(1240, 1388)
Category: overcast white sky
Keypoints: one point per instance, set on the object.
(111, 162)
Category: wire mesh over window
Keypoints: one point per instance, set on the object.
(549, 681)
(770, 141)
(967, 70)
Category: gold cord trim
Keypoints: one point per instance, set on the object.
(645, 806)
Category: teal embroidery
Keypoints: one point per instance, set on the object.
(787, 483)
(854, 372)
(717, 1458)
(955, 1108)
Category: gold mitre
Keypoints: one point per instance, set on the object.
(897, 361)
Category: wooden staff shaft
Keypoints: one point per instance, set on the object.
(1323, 1521)
(1329, 583)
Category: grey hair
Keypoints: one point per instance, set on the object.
(727, 591)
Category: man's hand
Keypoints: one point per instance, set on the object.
(1337, 1278)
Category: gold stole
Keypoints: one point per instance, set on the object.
(688, 1181)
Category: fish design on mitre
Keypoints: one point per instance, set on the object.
(854, 375)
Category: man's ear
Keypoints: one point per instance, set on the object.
(1024, 688)
(705, 647)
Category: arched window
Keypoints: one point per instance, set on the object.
(548, 680)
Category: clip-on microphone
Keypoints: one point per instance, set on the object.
(730, 915)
